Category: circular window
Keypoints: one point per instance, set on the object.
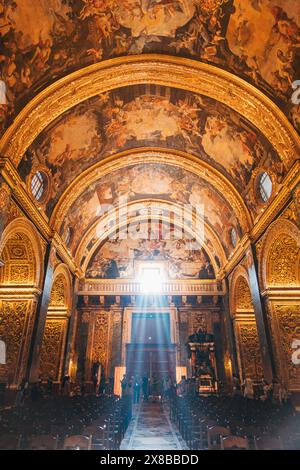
(38, 185)
(265, 186)
(233, 237)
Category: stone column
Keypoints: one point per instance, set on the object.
(33, 365)
(5, 193)
(230, 334)
(72, 324)
(260, 316)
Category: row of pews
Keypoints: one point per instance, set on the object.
(79, 423)
(235, 423)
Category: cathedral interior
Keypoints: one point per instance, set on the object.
(150, 223)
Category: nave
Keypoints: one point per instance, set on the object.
(151, 429)
(149, 223)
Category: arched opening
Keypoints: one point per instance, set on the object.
(55, 333)
(246, 335)
(281, 275)
(19, 280)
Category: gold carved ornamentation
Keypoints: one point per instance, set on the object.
(297, 204)
(52, 349)
(19, 259)
(12, 324)
(4, 196)
(101, 337)
(283, 262)
(287, 319)
(278, 261)
(291, 213)
(13, 212)
(243, 298)
(200, 320)
(19, 274)
(210, 6)
(250, 350)
(58, 292)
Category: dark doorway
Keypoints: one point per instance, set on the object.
(151, 353)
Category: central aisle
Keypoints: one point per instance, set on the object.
(151, 429)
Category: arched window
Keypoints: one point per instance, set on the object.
(233, 237)
(265, 186)
(38, 185)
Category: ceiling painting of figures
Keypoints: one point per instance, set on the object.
(67, 35)
(148, 116)
(140, 182)
(184, 257)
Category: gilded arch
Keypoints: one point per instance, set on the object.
(129, 158)
(239, 290)
(21, 232)
(20, 279)
(54, 339)
(244, 323)
(155, 69)
(105, 221)
(279, 255)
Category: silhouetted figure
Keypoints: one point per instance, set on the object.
(145, 387)
(123, 385)
(136, 391)
(36, 392)
(49, 385)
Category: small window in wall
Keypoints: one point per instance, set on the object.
(265, 186)
(2, 352)
(233, 237)
(38, 185)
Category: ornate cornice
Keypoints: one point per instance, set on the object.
(163, 70)
(288, 294)
(13, 292)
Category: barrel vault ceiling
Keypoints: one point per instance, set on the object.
(150, 142)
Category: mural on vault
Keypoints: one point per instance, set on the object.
(142, 181)
(148, 116)
(42, 40)
(186, 258)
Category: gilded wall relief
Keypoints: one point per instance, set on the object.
(185, 257)
(283, 262)
(19, 258)
(52, 349)
(58, 292)
(243, 298)
(13, 320)
(249, 349)
(287, 321)
(43, 40)
(142, 181)
(148, 116)
(100, 351)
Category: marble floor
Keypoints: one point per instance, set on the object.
(152, 429)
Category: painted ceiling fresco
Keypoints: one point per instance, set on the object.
(144, 181)
(43, 40)
(148, 116)
(186, 259)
